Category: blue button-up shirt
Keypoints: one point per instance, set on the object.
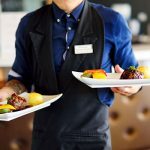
(117, 49)
(64, 28)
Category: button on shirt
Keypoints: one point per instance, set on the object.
(117, 48)
(64, 28)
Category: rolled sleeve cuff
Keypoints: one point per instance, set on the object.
(13, 75)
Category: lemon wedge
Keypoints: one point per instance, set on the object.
(35, 99)
(7, 106)
(145, 70)
(98, 75)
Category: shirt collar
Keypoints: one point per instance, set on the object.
(58, 13)
(77, 11)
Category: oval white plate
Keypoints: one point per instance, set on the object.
(113, 80)
(48, 99)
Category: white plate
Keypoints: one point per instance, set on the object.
(48, 99)
(113, 80)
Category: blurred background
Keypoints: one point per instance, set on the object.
(129, 116)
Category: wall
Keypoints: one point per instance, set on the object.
(137, 6)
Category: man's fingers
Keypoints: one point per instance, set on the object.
(127, 91)
(122, 91)
(118, 69)
(115, 89)
(1, 98)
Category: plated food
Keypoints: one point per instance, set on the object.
(6, 108)
(141, 72)
(96, 74)
(113, 80)
(16, 102)
(32, 103)
(132, 73)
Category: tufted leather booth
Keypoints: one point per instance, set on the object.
(130, 121)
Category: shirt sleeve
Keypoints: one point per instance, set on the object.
(21, 69)
(123, 53)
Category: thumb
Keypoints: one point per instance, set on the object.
(118, 69)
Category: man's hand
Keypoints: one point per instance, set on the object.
(13, 86)
(127, 91)
(5, 92)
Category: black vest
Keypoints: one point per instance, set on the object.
(78, 119)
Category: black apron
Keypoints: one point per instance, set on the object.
(78, 120)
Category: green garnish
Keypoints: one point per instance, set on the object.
(132, 68)
(88, 75)
(2, 111)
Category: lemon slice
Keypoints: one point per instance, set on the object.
(7, 106)
(98, 75)
(145, 70)
(35, 99)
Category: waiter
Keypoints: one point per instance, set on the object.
(48, 47)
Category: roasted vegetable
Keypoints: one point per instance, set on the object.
(99, 75)
(87, 74)
(96, 73)
(6, 108)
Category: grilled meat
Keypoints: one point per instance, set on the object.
(18, 102)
